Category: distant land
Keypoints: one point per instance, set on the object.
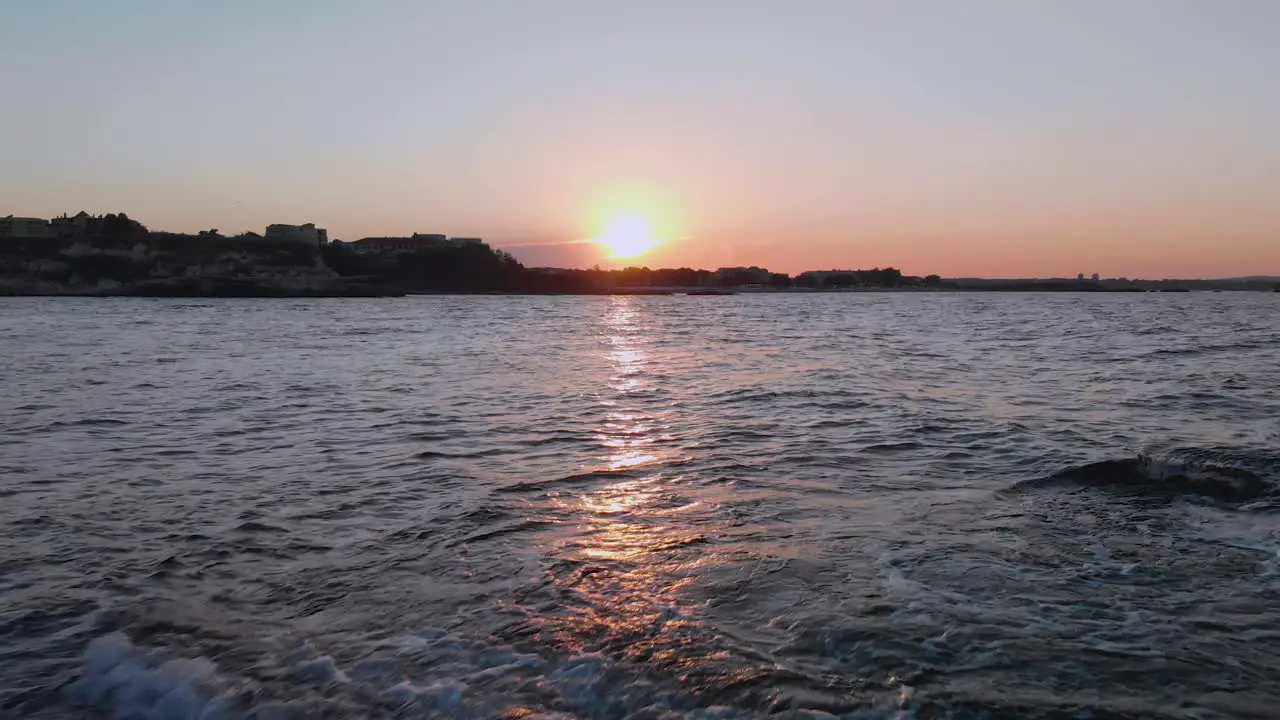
(115, 255)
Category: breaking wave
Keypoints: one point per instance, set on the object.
(126, 682)
(1220, 475)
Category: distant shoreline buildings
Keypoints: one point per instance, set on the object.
(36, 247)
(82, 224)
(24, 227)
(61, 227)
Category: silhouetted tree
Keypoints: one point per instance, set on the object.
(473, 268)
(632, 277)
(887, 277)
(841, 280)
(114, 228)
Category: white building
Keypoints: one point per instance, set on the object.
(24, 227)
(308, 233)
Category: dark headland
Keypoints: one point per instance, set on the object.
(114, 255)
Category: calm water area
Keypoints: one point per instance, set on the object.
(860, 505)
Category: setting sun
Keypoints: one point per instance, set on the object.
(627, 236)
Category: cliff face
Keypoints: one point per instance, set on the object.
(169, 265)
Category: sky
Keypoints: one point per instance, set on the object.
(998, 138)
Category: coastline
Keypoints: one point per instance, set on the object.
(140, 263)
(250, 290)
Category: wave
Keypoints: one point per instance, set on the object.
(464, 455)
(88, 422)
(680, 543)
(892, 447)
(501, 531)
(579, 478)
(1219, 347)
(756, 395)
(253, 526)
(1214, 474)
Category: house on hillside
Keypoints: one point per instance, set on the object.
(71, 226)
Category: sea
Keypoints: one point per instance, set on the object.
(853, 505)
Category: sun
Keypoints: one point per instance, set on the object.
(626, 236)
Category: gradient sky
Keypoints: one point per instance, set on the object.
(965, 137)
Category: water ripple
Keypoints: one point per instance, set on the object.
(854, 505)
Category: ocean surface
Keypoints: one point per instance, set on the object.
(863, 505)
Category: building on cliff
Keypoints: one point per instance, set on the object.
(71, 226)
(309, 233)
(24, 227)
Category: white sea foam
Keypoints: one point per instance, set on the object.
(126, 682)
(1246, 531)
(429, 675)
(441, 697)
(322, 670)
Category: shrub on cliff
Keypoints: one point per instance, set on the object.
(475, 268)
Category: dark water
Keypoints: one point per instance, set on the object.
(861, 505)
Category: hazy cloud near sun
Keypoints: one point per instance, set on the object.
(563, 254)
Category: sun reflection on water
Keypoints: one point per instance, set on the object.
(639, 539)
(628, 433)
(629, 559)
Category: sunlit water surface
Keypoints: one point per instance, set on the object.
(635, 507)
